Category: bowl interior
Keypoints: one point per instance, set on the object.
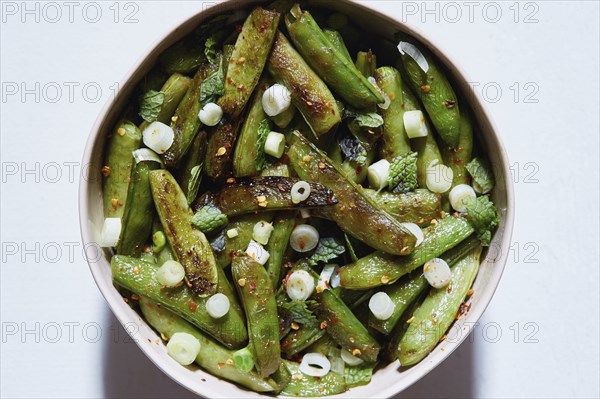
(386, 381)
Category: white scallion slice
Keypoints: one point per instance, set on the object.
(386, 103)
(437, 273)
(381, 306)
(257, 252)
(217, 305)
(415, 231)
(459, 194)
(439, 177)
(170, 273)
(335, 280)
(414, 124)
(304, 238)
(111, 230)
(184, 348)
(378, 174)
(415, 54)
(350, 359)
(262, 232)
(276, 99)
(315, 365)
(275, 144)
(300, 285)
(210, 114)
(300, 191)
(158, 137)
(145, 154)
(304, 213)
(232, 233)
(325, 276)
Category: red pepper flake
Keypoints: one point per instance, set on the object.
(192, 305)
(263, 26)
(238, 27)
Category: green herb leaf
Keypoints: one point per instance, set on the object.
(353, 149)
(483, 178)
(328, 248)
(403, 173)
(482, 214)
(209, 218)
(358, 375)
(264, 128)
(210, 49)
(212, 87)
(151, 104)
(300, 312)
(370, 120)
(194, 183)
(350, 248)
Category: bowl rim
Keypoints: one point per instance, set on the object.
(485, 296)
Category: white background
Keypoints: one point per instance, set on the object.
(546, 308)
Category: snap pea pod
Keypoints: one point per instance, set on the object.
(219, 151)
(284, 119)
(225, 247)
(166, 252)
(436, 94)
(184, 56)
(381, 232)
(173, 90)
(329, 62)
(336, 39)
(302, 385)
(310, 95)
(380, 268)
(419, 206)
(265, 194)
(458, 158)
(407, 289)
(118, 164)
(190, 245)
(248, 59)
(394, 141)
(139, 211)
(437, 312)
(278, 169)
(186, 123)
(258, 298)
(366, 63)
(283, 224)
(247, 148)
(212, 357)
(324, 345)
(190, 175)
(139, 276)
(298, 340)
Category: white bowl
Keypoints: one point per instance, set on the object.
(387, 381)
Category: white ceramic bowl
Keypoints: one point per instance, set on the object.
(386, 382)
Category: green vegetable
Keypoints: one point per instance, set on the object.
(283, 225)
(403, 173)
(189, 244)
(458, 158)
(302, 385)
(209, 218)
(481, 172)
(190, 175)
(298, 340)
(184, 56)
(419, 206)
(358, 375)
(159, 241)
(243, 360)
(328, 248)
(337, 41)
(366, 63)
(211, 50)
(299, 311)
(264, 127)
(482, 214)
(219, 152)
(369, 120)
(151, 104)
(213, 86)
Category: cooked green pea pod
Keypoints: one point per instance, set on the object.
(136, 223)
(381, 232)
(283, 224)
(324, 345)
(219, 152)
(436, 94)
(258, 299)
(190, 175)
(329, 62)
(212, 357)
(265, 194)
(366, 63)
(190, 245)
(302, 385)
(394, 141)
(184, 56)
(437, 312)
(353, 298)
(118, 164)
(248, 59)
(458, 158)
(277, 169)
(407, 289)
(186, 123)
(139, 276)
(419, 206)
(173, 91)
(225, 247)
(298, 340)
(310, 95)
(380, 268)
(337, 41)
(247, 149)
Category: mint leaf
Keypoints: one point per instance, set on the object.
(483, 216)
(151, 104)
(353, 149)
(328, 248)
(481, 172)
(210, 50)
(370, 120)
(403, 173)
(212, 87)
(209, 218)
(194, 183)
(358, 375)
(300, 312)
(264, 128)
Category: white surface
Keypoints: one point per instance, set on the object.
(549, 292)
